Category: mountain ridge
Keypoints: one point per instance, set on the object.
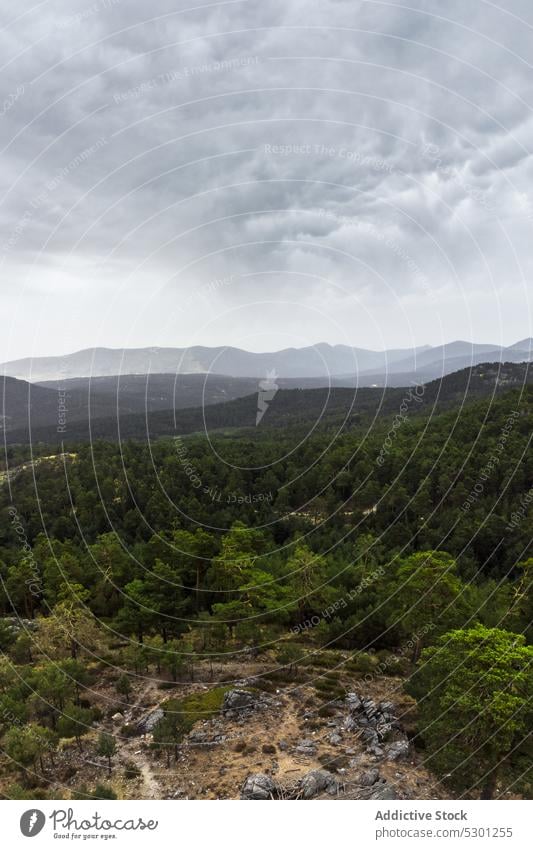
(290, 407)
(317, 361)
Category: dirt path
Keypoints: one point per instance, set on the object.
(134, 751)
(151, 788)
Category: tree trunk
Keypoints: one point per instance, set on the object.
(489, 787)
(417, 651)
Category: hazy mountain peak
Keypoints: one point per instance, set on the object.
(322, 360)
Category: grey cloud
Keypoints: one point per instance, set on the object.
(384, 149)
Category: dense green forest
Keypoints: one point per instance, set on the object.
(413, 530)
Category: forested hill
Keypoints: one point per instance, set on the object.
(296, 408)
(417, 484)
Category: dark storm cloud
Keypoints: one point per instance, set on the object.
(353, 158)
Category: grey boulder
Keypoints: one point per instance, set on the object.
(147, 725)
(306, 748)
(259, 787)
(238, 700)
(315, 782)
(367, 779)
(398, 751)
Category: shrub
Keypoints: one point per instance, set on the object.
(131, 771)
(16, 791)
(392, 664)
(104, 791)
(185, 713)
(362, 663)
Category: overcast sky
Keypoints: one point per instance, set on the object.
(265, 173)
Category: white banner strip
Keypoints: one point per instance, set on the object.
(263, 825)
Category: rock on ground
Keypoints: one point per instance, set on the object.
(306, 747)
(259, 787)
(147, 725)
(383, 791)
(398, 751)
(315, 782)
(238, 700)
(368, 778)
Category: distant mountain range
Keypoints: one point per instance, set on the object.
(316, 361)
(340, 363)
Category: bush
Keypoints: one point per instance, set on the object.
(131, 771)
(392, 664)
(80, 794)
(104, 791)
(325, 685)
(329, 687)
(337, 695)
(362, 663)
(264, 685)
(185, 713)
(101, 791)
(326, 659)
(16, 791)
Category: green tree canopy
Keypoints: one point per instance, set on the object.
(475, 695)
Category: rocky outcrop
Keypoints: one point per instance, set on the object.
(147, 725)
(368, 778)
(374, 720)
(397, 751)
(238, 701)
(375, 723)
(380, 790)
(259, 787)
(307, 748)
(315, 783)
(384, 791)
